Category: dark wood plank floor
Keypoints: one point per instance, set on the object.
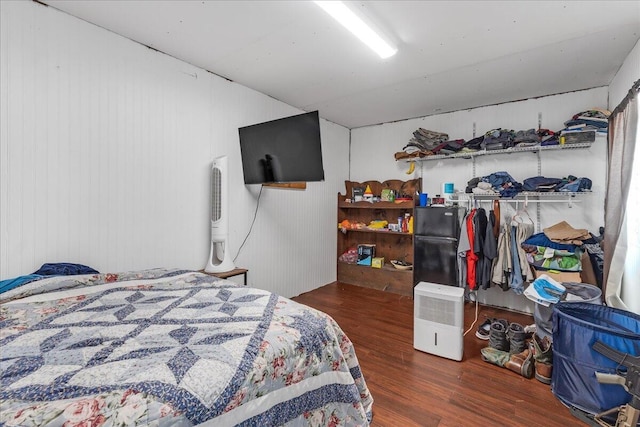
(412, 388)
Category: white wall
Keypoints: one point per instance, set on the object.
(628, 73)
(105, 150)
(373, 147)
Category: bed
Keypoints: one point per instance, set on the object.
(168, 347)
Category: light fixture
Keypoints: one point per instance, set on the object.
(341, 13)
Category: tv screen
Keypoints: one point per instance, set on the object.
(283, 150)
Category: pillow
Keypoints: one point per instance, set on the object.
(64, 269)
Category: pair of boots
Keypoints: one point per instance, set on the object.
(505, 336)
(508, 348)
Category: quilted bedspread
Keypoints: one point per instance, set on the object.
(170, 347)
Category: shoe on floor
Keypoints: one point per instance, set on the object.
(498, 335)
(484, 329)
(517, 338)
(521, 363)
(543, 358)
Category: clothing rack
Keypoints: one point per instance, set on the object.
(526, 197)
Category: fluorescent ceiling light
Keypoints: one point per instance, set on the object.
(358, 27)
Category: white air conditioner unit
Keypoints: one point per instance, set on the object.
(219, 256)
(438, 320)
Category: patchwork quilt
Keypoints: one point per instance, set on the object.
(170, 347)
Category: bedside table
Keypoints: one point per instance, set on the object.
(232, 273)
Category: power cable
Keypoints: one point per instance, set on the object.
(255, 214)
(475, 295)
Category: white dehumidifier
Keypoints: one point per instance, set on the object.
(438, 320)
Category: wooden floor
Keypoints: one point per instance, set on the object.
(412, 388)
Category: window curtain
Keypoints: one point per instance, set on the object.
(623, 135)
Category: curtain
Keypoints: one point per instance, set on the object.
(623, 134)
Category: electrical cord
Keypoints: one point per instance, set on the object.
(255, 214)
(475, 297)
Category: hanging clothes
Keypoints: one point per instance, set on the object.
(479, 234)
(502, 266)
(515, 283)
(490, 252)
(525, 230)
(477, 249)
(496, 213)
(483, 240)
(464, 247)
(472, 258)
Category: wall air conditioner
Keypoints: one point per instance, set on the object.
(438, 320)
(219, 256)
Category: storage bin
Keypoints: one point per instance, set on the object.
(576, 292)
(576, 327)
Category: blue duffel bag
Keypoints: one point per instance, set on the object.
(576, 327)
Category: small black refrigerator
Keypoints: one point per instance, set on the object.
(435, 244)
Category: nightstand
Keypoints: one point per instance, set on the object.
(232, 273)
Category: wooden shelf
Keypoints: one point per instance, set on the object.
(386, 278)
(376, 205)
(389, 244)
(373, 230)
(290, 185)
(386, 267)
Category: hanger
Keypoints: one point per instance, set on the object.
(519, 217)
(472, 203)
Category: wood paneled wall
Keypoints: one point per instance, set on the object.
(105, 152)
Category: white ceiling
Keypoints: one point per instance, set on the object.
(451, 55)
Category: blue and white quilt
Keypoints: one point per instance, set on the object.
(170, 347)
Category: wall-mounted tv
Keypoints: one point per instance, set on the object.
(283, 150)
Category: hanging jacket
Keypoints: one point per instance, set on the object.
(496, 214)
(525, 230)
(463, 248)
(502, 265)
(480, 231)
(516, 283)
(490, 251)
(472, 258)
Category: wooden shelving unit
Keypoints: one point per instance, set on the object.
(389, 244)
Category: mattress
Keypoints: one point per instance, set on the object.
(172, 347)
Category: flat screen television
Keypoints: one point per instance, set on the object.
(283, 150)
